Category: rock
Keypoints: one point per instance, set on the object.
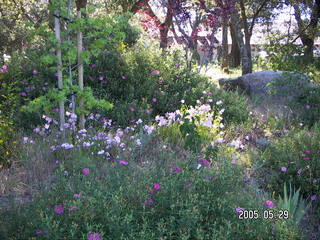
(259, 83)
(270, 91)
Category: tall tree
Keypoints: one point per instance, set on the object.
(81, 4)
(307, 28)
(59, 68)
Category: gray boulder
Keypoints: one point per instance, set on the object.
(269, 91)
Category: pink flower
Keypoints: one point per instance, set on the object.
(123, 162)
(4, 68)
(85, 171)
(72, 208)
(25, 46)
(101, 78)
(165, 86)
(176, 170)
(239, 210)
(209, 93)
(283, 169)
(314, 197)
(155, 73)
(149, 202)
(94, 236)
(35, 72)
(154, 100)
(132, 109)
(77, 195)
(124, 77)
(205, 162)
(269, 203)
(307, 106)
(58, 209)
(307, 152)
(306, 158)
(156, 186)
(177, 64)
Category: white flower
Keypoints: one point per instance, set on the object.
(221, 125)
(205, 108)
(182, 101)
(46, 126)
(67, 146)
(219, 102)
(198, 102)
(138, 142)
(68, 113)
(222, 111)
(199, 166)
(139, 121)
(101, 152)
(220, 140)
(25, 140)
(210, 100)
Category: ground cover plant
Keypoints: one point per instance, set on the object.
(113, 125)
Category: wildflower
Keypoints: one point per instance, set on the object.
(94, 236)
(156, 186)
(139, 121)
(4, 68)
(309, 134)
(314, 197)
(25, 46)
(56, 110)
(85, 171)
(198, 101)
(132, 109)
(149, 202)
(204, 162)
(124, 77)
(283, 169)
(307, 152)
(188, 185)
(177, 64)
(58, 209)
(123, 162)
(299, 171)
(138, 142)
(35, 72)
(176, 170)
(23, 94)
(154, 100)
(165, 86)
(210, 100)
(209, 93)
(101, 78)
(101, 152)
(308, 106)
(82, 131)
(155, 73)
(72, 208)
(182, 101)
(77, 195)
(38, 233)
(53, 148)
(66, 173)
(208, 178)
(269, 203)
(219, 102)
(306, 158)
(239, 210)
(67, 146)
(86, 144)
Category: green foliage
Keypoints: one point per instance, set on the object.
(292, 159)
(113, 204)
(294, 203)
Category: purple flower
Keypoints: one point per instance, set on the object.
(283, 169)
(306, 158)
(40, 232)
(269, 203)
(72, 208)
(132, 109)
(307, 152)
(239, 210)
(154, 100)
(77, 195)
(204, 162)
(56, 110)
(94, 236)
(58, 209)
(176, 170)
(101, 78)
(149, 202)
(314, 197)
(85, 171)
(4, 68)
(307, 106)
(123, 162)
(177, 64)
(124, 77)
(156, 186)
(299, 171)
(35, 72)
(155, 73)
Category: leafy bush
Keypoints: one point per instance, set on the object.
(126, 199)
(292, 159)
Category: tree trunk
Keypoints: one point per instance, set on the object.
(59, 69)
(235, 55)
(224, 60)
(73, 98)
(80, 73)
(245, 60)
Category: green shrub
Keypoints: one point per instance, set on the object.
(292, 159)
(144, 202)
